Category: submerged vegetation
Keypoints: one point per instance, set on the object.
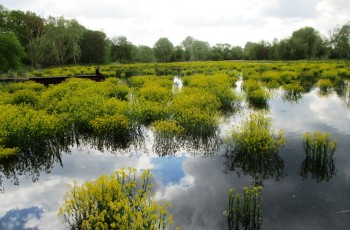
(122, 200)
(244, 210)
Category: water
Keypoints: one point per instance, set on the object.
(197, 183)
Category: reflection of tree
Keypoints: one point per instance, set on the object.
(114, 142)
(259, 167)
(169, 146)
(31, 162)
(291, 96)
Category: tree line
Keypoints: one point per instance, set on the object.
(27, 39)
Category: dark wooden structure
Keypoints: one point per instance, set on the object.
(51, 80)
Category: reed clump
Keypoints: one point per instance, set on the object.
(319, 145)
(244, 210)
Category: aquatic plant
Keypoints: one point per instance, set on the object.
(256, 95)
(325, 86)
(319, 161)
(256, 136)
(292, 92)
(244, 211)
(117, 201)
(319, 145)
(168, 137)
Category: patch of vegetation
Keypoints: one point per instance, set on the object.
(244, 210)
(121, 200)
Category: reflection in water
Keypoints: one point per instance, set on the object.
(177, 84)
(170, 146)
(18, 218)
(129, 141)
(321, 170)
(319, 148)
(259, 167)
(291, 96)
(32, 162)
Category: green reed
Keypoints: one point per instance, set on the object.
(244, 210)
(319, 145)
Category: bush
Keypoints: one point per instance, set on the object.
(117, 201)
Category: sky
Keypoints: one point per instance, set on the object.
(221, 21)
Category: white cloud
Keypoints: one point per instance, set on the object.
(234, 22)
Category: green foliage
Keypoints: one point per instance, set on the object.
(118, 201)
(11, 52)
(255, 136)
(244, 211)
(7, 152)
(24, 127)
(196, 110)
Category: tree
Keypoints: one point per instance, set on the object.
(236, 53)
(200, 50)
(341, 42)
(221, 51)
(250, 51)
(93, 47)
(11, 52)
(121, 49)
(163, 49)
(178, 54)
(186, 45)
(144, 54)
(60, 42)
(303, 42)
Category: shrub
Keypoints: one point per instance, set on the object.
(117, 201)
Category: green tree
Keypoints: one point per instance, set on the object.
(200, 50)
(93, 47)
(178, 54)
(163, 50)
(236, 52)
(303, 42)
(250, 51)
(341, 42)
(145, 54)
(11, 52)
(28, 27)
(60, 42)
(121, 49)
(221, 51)
(186, 45)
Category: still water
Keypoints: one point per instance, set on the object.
(196, 179)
